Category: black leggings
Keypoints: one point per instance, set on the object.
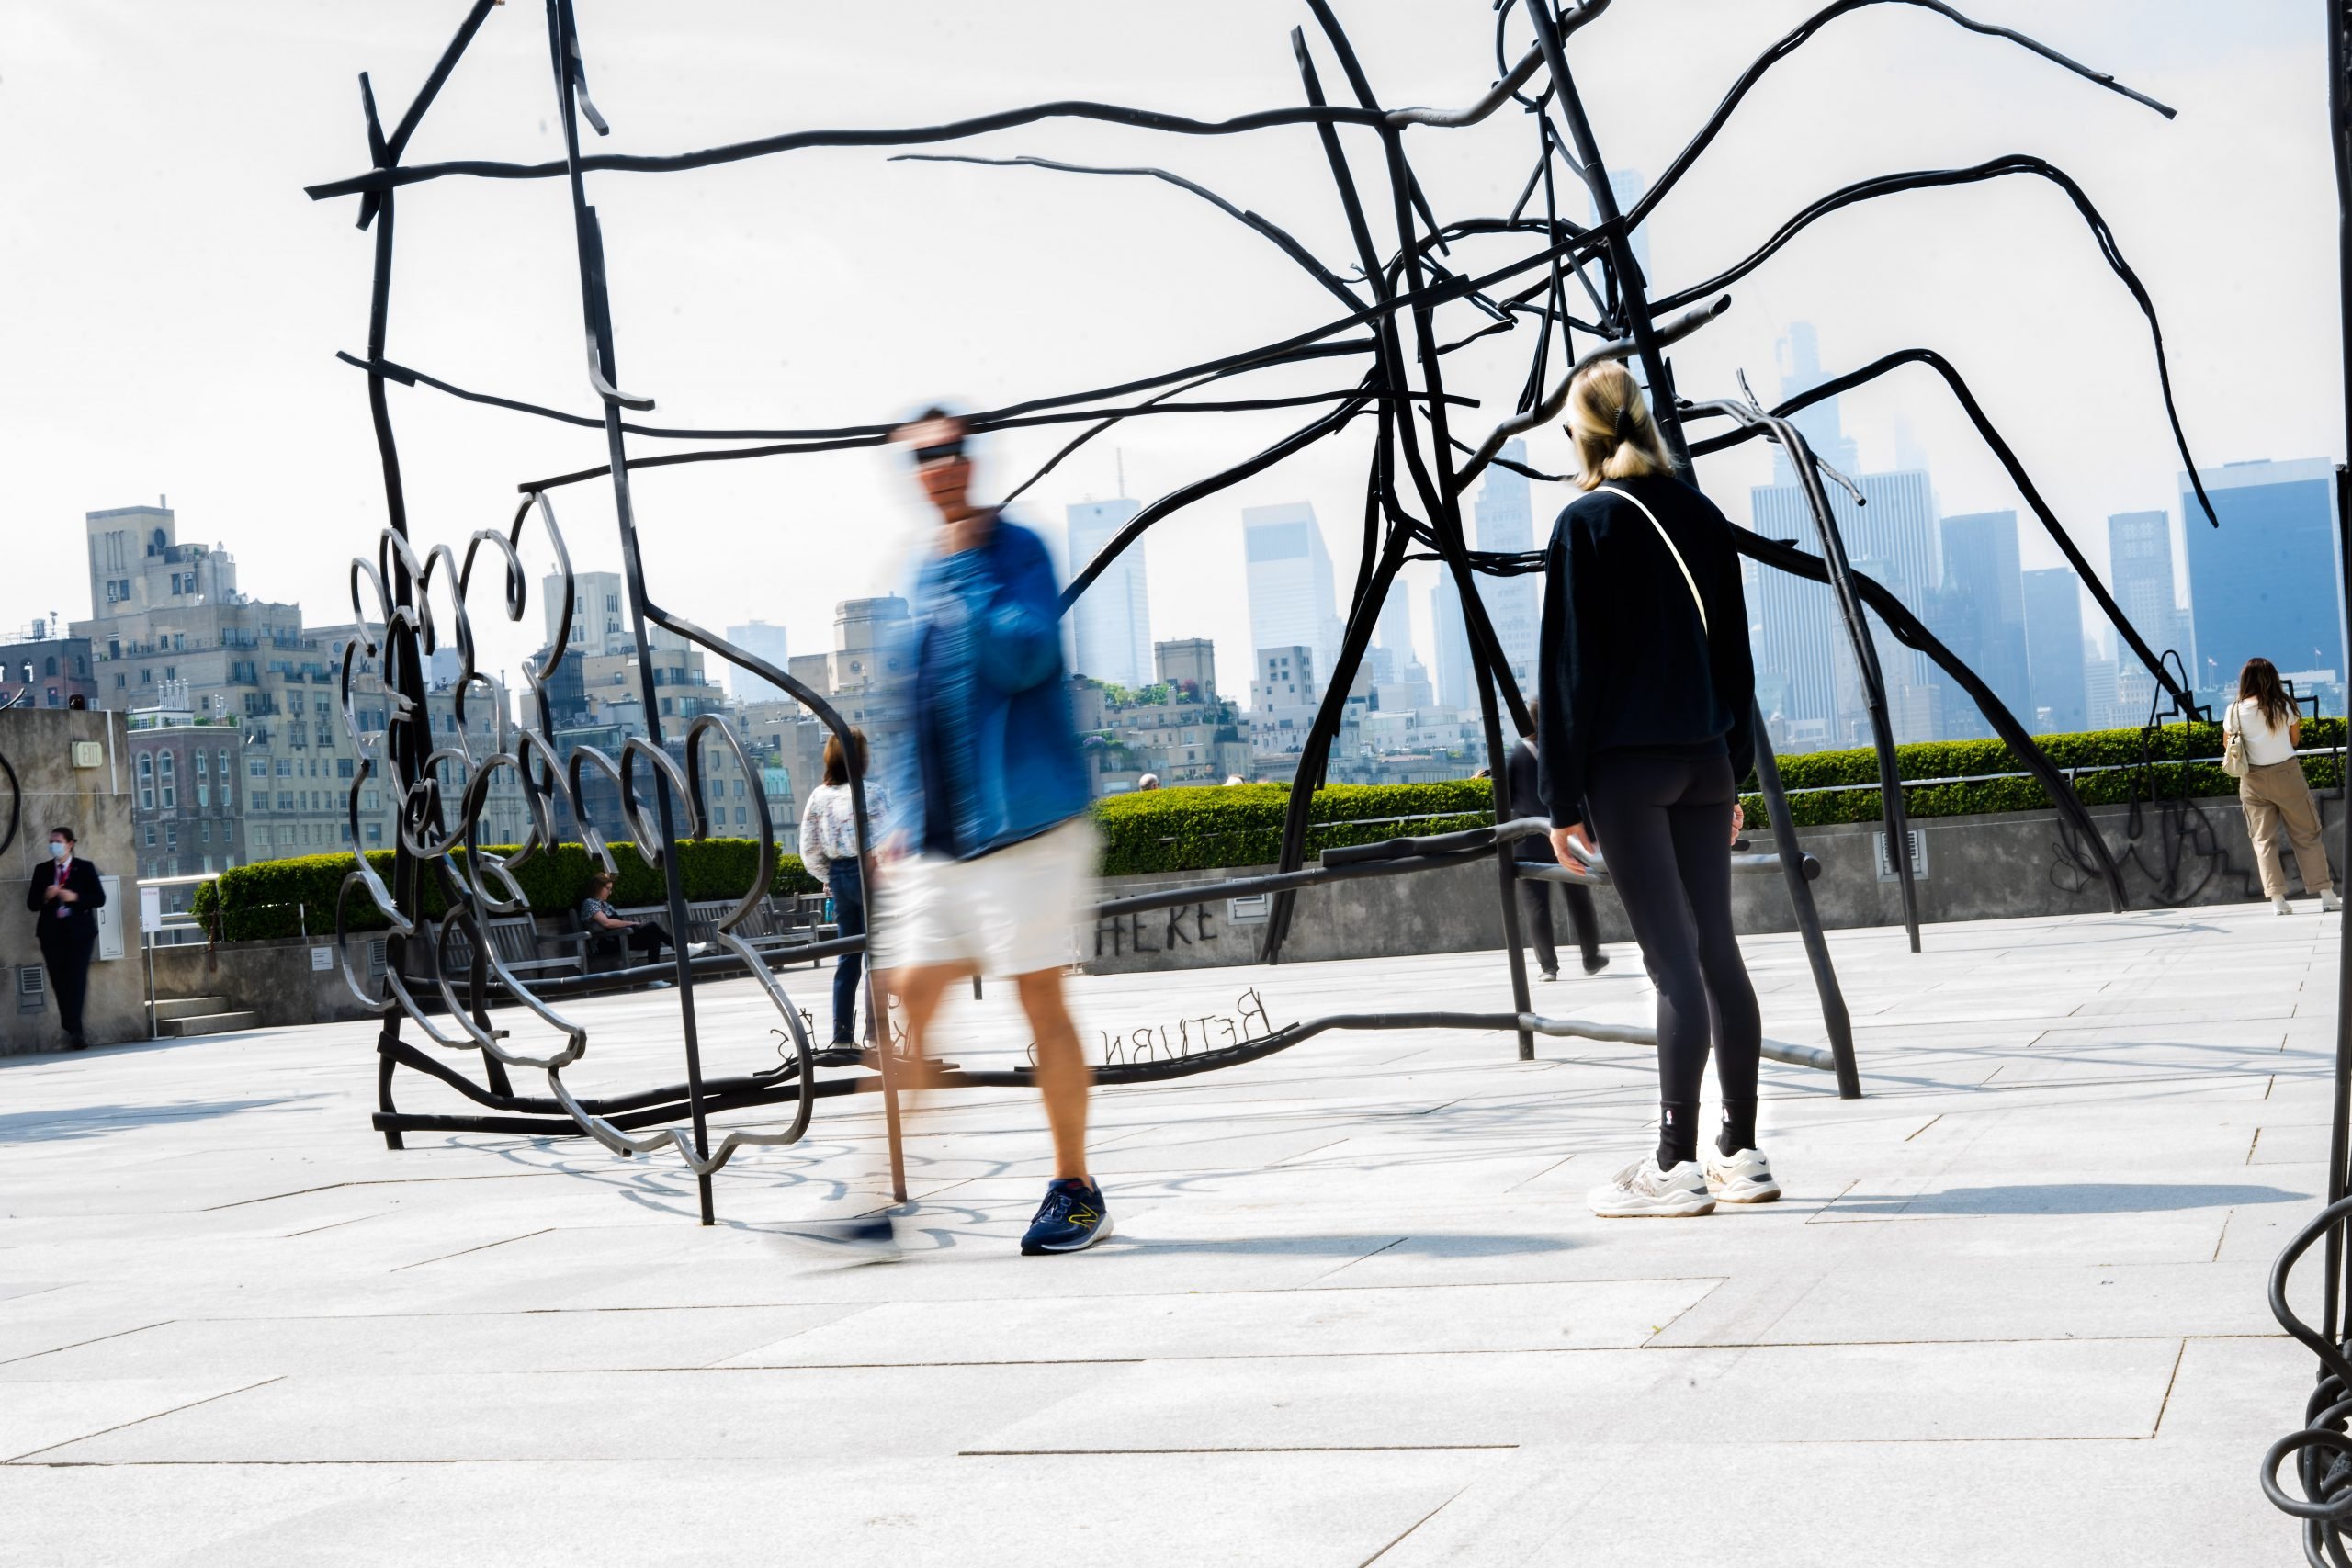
(1664, 825)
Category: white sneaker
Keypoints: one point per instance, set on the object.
(2329, 903)
(1642, 1190)
(2281, 905)
(1743, 1177)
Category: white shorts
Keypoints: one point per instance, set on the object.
(1010, 912)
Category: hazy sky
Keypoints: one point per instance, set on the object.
(173, 302)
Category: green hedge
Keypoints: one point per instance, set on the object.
(2192, 749)
(284, 898)
(1218, 825)
(1198, 829)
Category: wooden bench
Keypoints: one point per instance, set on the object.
(514, 940)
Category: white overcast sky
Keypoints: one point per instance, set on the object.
(170, 302)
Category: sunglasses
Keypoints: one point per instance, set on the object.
(946, 451)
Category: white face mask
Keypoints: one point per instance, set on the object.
(60, 851)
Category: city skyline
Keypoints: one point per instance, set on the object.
(266, 287)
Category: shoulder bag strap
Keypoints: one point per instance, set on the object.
(1691, 583)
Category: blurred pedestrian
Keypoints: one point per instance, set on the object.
(1149, 781)
(990, 853)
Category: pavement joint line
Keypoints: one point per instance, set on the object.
(2223, 1237)
(1650, 1347)
(371, 1181)
(2165, 1403)
(157, 1416)
(1416, 1524)
(1923, 1126)
(1358, 1258)
(485, 1247)
(337, 1225)
(1255, 1449)
(100, 1340)
(1658, 1329)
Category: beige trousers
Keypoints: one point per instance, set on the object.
(2273, 795)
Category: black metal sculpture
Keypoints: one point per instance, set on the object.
(1389, 299)
(2322, 1448)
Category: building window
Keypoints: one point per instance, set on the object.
(171, 671)
(204, 834)
(203, 760)
(146, 770)
(151, 835)
(171, 782)
(120, 681)
(343, 767)
(258, 767)
(286, 767)
(172, 837)
(739, 819)
(375, 832)
(228, 832)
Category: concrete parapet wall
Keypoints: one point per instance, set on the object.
(1990, 867)
(278, 981)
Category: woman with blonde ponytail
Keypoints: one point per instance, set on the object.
(1644, 733)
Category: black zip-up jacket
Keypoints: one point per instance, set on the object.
(1627, 665)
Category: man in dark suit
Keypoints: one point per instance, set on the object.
(1535, 897)
(64, 897)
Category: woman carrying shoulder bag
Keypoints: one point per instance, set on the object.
(1644, 733)
(2260, 732)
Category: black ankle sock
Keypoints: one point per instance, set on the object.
(1739, 1127)
(1678, 1133)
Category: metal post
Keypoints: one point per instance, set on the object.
(1834, 1016)
(595, 305)
(2339, 103)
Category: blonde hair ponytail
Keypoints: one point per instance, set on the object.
(1615, 437)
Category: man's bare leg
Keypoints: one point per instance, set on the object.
(1063, 1076)
(921, 987)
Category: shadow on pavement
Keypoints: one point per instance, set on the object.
(2071, 1198)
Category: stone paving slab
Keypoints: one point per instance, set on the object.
(2011, 1310)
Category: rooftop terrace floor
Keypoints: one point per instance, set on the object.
(2011, 1310)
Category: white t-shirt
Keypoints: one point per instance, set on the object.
(2264, 743)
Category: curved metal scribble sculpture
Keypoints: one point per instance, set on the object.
(1403, 272)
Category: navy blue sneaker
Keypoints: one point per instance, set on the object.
(1072, 1218)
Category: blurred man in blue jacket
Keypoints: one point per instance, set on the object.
(990, 853)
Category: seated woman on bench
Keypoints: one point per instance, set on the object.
(607, 933)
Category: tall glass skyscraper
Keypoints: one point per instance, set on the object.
(768, 642)
(1506, 522)
(1981, 617)
(2139, 574)
(1111, 623)
(1799, 355)
(2267, 580)
(1800, 644)
(1292, 601)
(1456, 680)
(2053, 646)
